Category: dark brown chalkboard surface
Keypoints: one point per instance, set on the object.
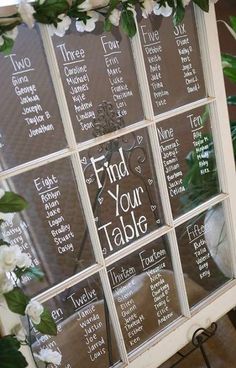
(145, 293)
(85, 337)
(123, 190)
(52, 229)
(97, 67)
(30, 120)
(205, 253)
(189, 159)
(173, 61)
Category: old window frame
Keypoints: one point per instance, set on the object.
(170, 340)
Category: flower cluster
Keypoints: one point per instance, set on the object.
(13, 265)
(57, 15)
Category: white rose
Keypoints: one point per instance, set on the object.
(23, 260)
(166, 10)
(91, 4)
(114, 17)
(147, 7)
(85, 6)
(34, 310)
(9, 34)
(19, 333)
(6, 285)
(49, 356)
(26, 12)
(8, 257)
(90, 23)
(8, 217)
(61, 27)
(2, 191)
(12, 34)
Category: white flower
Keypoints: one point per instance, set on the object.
(114, 17)
(8, 257)
(6, 285)
(19, 332)
(90, 23)
(49, 356)
(61, 27)
(8, 217)
(9, 34)
(147, 7)
(12, 34)
(166, 10)
(34, 310)
(23, 260)
(185, 2)
(92, 4)
(2, 191)
(26, 12)
(85, 6)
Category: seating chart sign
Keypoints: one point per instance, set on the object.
(205, 254)
(97, 67)
(145, 294)
(28, 104)
(52, 229)
(172, 60)
(123, 190)
(189, 160)
(85, 336)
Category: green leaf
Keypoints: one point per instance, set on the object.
(203, 4)
(230, 59)
(230, 73)
(231, 100)
(233, 22)
(49, 11)
(6, 48)
(12, 202)
(9, 353)
(107, 25)
(47, 325)
(127, 22)
(179, 13)
(17, 301)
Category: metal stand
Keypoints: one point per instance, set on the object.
(200, 336)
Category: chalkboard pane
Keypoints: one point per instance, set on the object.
(145, 293)
(30, 120)
(96, 67)
(204, 251)
(52, 229)
(85, 336)
(189, 159)
(123, 190)
(173, 61)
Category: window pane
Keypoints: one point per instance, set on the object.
(204, 250)
(85, 337)
(52, 229)
(173, 62)
(28, 105)
(97, 67)
(123, 190)
(189, 159)
(145, 294)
